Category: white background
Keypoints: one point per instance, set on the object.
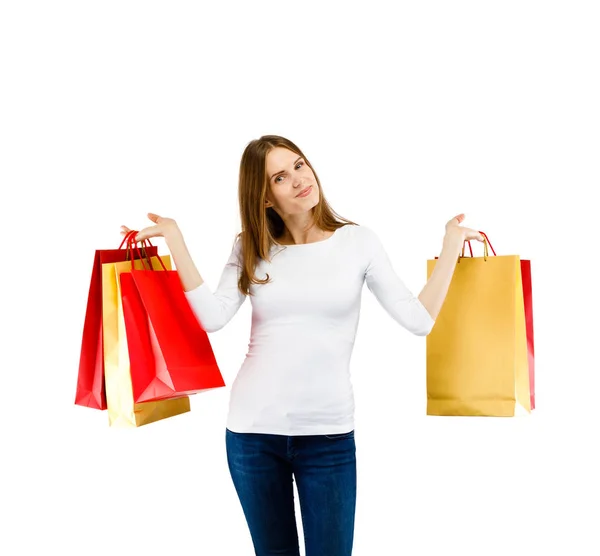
(410, 113)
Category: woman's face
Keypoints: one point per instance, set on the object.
(288, 175)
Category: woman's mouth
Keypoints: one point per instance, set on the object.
(305, 192)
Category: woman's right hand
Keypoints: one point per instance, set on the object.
(457, 234)
(164, 227)
(167, 228)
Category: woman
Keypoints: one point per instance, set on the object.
(291, 410)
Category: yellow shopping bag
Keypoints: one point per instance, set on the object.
(477, 362)
(122, 411)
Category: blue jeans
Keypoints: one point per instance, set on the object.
(263, 467)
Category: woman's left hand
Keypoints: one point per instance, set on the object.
(459, 234)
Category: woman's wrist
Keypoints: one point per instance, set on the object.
(172, 234)
(453, 243)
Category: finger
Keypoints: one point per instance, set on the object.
(129, 235)
(477, 235)
(457, 219)
(154, 217)
(474, 234)
(146, 233)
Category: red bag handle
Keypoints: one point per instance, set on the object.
(486, 242)
(486, 238)
(463, 248)
(131, 243)
(126, 237)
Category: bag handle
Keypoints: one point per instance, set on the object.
(126, 237)
(131, 243)
(463, 248)
(129, 239)
(486, 239)
(486, 242)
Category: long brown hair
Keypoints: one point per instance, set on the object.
(260, 226)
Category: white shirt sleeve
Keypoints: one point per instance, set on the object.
(391, 292)
(215, 310)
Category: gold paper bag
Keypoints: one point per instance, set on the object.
(122, 411)
(477, 350)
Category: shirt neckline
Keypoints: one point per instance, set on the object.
(312, 242)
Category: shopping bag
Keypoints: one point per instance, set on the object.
(170, 353)
(527, 297)
(477, 360)
(122, 410)
(90, 391)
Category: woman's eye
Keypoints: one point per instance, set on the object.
(299, 164)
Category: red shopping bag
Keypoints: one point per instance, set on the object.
(90, 390)
(526, 279)
(169, 352)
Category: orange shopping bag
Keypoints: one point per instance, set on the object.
(478, 361)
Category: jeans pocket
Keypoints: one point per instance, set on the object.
(340, 436)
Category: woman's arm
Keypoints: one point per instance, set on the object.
(168, 229)
(188, 273)
(390, 290)
(213, 310)
(434, 292)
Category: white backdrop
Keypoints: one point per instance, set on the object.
(410, 114)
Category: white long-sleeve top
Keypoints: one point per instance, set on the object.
(295, 378)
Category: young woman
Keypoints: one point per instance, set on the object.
(291, 410)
